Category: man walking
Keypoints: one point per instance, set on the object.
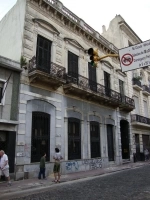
(42, 166)
(4, 166)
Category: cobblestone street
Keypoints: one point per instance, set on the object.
(133, 184)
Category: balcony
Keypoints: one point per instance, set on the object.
(53, 76)
(138, 120)
(84, 88)
(146, 90)
(137, 84)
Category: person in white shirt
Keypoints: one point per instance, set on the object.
(57, 157)
(4, 166)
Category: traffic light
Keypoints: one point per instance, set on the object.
(93, 53)
(94, 57)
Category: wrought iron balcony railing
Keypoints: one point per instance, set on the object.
(53, 69)
(97, 88)
(141, 119)
(146, 88)
(137, 82)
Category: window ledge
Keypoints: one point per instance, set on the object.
(9, 121)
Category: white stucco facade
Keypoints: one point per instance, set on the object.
(66, 32)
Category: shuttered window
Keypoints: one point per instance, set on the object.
(137, 110)
(92, 77)
(43, 54)
(72, 64)
(145, 109)
(107, 83)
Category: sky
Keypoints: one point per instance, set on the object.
(97, 13)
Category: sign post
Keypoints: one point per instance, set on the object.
(135, 57)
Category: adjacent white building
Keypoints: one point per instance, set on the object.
(122, 35)
(9, 93)
(65, 102)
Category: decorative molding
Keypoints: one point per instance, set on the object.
(46, 25)
(74, 43)
(121, 73)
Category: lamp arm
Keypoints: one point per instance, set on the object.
(108, 55)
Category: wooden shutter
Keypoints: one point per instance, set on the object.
(92, 77)
(43, 54)
(72, 64)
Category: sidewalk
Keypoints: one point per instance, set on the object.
(35, 183)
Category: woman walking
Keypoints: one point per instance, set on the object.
(57, 157)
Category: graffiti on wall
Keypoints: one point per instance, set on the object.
(94, 163)
(72, 166)
(81, 165)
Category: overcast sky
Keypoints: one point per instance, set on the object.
(97, 13)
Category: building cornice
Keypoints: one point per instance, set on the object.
(69, 20)
(127, 29)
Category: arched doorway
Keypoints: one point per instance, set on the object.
(124, 129)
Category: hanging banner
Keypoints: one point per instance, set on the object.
(135, 57)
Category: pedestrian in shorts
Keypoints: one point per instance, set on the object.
(4, 166)
(57, 157)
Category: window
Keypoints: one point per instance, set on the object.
(2, 92)
(74, 139)
(145, 109)
(72, 65)
(121, 87)
(43, 54)
(40, 136)
(107, 83)
(136, 100)
(95, 139)
(92, 77)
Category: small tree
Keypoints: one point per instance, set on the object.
(23, 61)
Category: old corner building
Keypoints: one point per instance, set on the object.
(63, 101)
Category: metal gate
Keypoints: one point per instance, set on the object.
(137, 143)
(110, 142)
(74, 139)
(124, 129)
(95, 139)
(40, 136)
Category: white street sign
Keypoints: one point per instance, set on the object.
(135, 57)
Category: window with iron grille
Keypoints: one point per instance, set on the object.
(74, 139)
(43, 54)
(72, 65)
(1, 91)
(40, 136)
(95, 139)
